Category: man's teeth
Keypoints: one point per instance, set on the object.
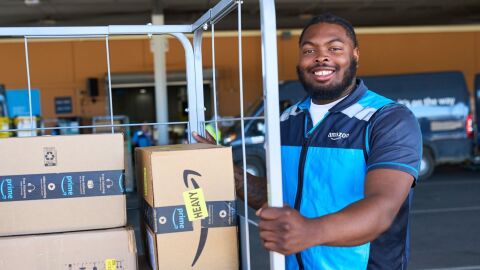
(323, 72)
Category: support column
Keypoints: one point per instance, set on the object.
(158, 46)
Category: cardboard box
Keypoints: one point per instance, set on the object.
(61, 183)
(190, 206)
(109, 249)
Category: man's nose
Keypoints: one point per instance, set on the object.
(322, 57)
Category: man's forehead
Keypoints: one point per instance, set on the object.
(307, 42)
(328, 31)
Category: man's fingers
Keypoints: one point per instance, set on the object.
(273, 246)
(265, 205)
(210, 137)
(267, 225)
(200, 139)
(277, 247)
(282, 229)
(269, 240)
(279, 239)
(271, 213)
(267, 236)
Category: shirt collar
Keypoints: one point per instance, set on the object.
(351, 99)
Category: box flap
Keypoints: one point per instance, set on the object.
(178, 170)
(53, 154)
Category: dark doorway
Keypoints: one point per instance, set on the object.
(178, 102)
(136, 103)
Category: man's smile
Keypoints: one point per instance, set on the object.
(322, 74)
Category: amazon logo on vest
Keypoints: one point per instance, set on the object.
(338, 135)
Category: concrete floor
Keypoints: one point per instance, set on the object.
(445, 221)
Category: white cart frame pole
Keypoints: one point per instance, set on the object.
(272, 114)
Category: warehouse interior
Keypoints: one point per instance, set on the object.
(70, 78)
(415, 36)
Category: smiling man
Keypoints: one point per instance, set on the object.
(350, 158)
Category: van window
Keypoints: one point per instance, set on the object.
(439, 94)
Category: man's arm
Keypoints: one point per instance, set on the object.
(284, 230)
(257, 186)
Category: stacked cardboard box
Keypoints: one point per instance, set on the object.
(190, 206)
(108, 249)
(62, 184)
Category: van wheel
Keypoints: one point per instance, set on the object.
(254, 166)
(427, 165)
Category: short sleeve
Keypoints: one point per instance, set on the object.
(394, 140)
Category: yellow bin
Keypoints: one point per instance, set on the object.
(4, 125)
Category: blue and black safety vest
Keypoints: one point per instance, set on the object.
(325, 166)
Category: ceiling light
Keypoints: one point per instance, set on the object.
(32, 2)
(305, 16)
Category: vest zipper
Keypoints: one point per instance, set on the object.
(301, 170)
(298, 197)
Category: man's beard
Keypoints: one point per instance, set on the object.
(332, 92)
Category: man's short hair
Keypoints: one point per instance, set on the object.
(332, 19)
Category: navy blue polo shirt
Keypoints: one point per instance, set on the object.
(324, 169)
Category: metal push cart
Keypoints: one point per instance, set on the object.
(193, 57)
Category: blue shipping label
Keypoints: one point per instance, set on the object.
(172, 219)
(61, 185)
(168, 219)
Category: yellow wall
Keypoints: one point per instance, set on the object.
(407, 53)
(404, 53)
(61, 68)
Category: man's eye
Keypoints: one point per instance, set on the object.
(308, 51)
(335, 49)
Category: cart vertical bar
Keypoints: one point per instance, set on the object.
(27, 63)
(270, 88)
(246, 238)
(110, 96)
(192, 102)
(197, 50)
(215, 109)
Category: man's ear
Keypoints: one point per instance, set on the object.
(356, 54)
